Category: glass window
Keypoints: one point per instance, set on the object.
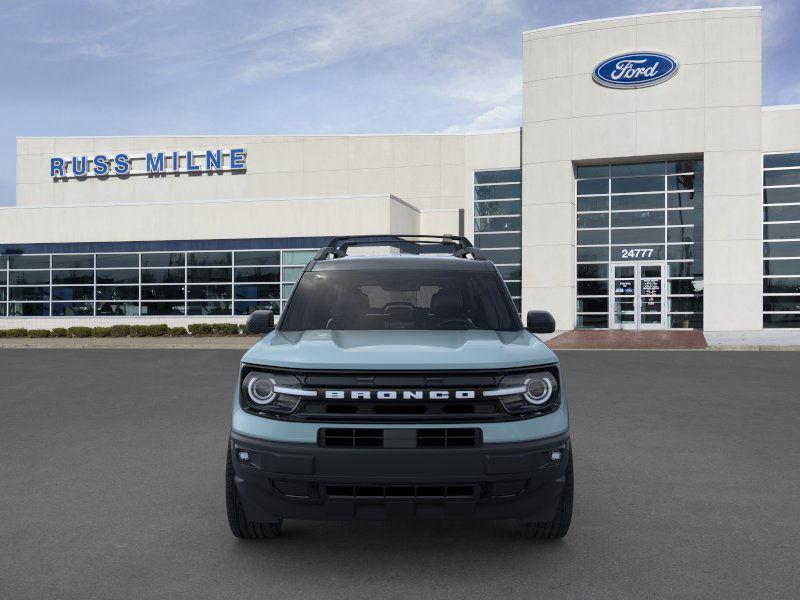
(3, 262)
(209, 259)
(649, 168)
(297, 257)
(782, 249)
(29, 293)
(209, 275)
(498, 224)
(504, 207)
(637, 219)
(258, 257)
(685, 304)
(65, 277)
(117, 292)
(694, 321)
(592, 271)
(593, 305)
(256, 292)
(163, 276)
(592, 254)
(29, 277)
(221, 307)
(782, 195)
(680, 269)
(589, 171)
(499, 176)
(637, 236)
(246, 308)
(592, 288)
(514, 288)
(83, 292)
(592, 186)
(782, 231)
(684, 166)
(782, 267)
(680, 234)
(117, 309)
(163, 259)
(788, 177)
(73, 309)
(73, 261)
(685, 286)
(680, 252)
(593, 220)
(638, 252)
(117, 275)
(257, 274)
(782, 285)
(162, 309)
(504, 257)
(684, 182)
(287, 289)
(209, 292)
(162, 292)
(592, 321)
(782, 303)
(498, 240)
(790, 159)
(782, 213)
(685, 200)
(592, 236)
(637, 202)
(292, 273)
(785, 320)
(683, 217)
(636, 184)
(23, 261)
(495, 192)
(510, 273)
(115, 261)
(28, 309)
(2, 278)
(592, 203)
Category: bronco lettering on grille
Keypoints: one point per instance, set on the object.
(399, 394)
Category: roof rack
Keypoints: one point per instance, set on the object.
(408, 243)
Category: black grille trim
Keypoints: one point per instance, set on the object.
(373, 491)
(366, 437)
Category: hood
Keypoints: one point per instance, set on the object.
(424, 350)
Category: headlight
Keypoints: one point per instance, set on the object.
(535, 392)
(270, 392)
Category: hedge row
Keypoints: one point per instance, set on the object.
(127, 331)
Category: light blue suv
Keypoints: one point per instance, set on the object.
(400, 386)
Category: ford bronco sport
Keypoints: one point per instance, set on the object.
(400, 386)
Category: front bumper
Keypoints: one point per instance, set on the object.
(303, 481)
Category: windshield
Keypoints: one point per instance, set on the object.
(408, 300)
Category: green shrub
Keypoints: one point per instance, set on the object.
(138, 331)
(2, 333)
(80, 332)
(101, 332)
(59, 332)
(201, 329)
(177, 331)
(242, 328)
(225, 329)
(38, 333)
(157, 330)
(17, 332)
(120, 330)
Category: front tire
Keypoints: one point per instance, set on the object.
(240, 526)
(558, 527)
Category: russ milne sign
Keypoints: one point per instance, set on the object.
(151, 163)
(635, 70)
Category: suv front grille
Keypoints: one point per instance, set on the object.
(333, 437)
(381, 492)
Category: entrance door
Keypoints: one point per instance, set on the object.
(637, 295)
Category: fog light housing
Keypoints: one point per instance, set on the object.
(555, 455)
(243, 456)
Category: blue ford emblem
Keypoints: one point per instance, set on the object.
(635, 70)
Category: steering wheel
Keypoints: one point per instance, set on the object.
(455, 320)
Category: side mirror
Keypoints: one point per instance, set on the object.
(261, 321)
(540, 321)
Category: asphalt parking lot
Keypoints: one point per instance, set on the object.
(111, 486)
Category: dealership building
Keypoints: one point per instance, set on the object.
(646, 188)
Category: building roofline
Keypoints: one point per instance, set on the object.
(261, 135)
(652, 14)
(781, 107)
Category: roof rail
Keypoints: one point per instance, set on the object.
(408, 243)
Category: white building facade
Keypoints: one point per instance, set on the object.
(654, 192)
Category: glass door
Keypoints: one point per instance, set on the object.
(637, 295)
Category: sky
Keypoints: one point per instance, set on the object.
(175, 67)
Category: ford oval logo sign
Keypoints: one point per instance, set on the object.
(635, 70)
